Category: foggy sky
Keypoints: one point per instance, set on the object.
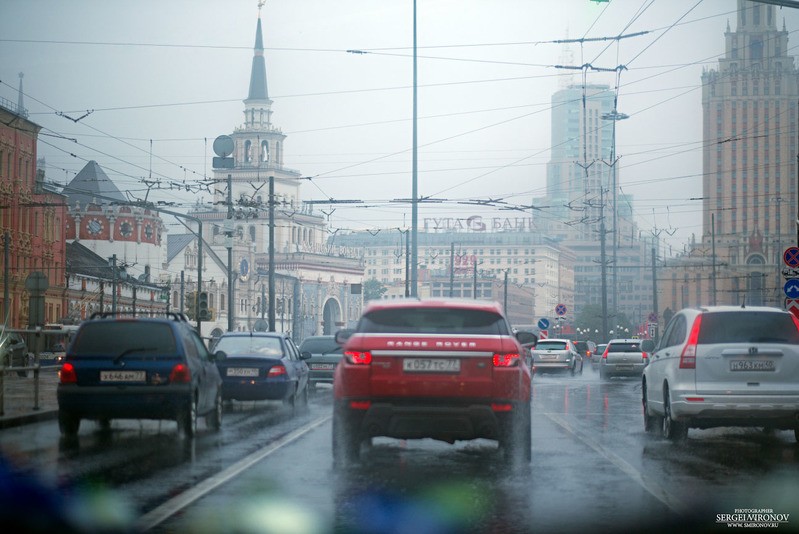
(172, 75)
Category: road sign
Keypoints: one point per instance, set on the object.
(653, 317)
(653, 330)
(791, 256)
(543, 323)
(792, 305)
(560, 309)
(791, 288)
(790, 272)
(543, 334)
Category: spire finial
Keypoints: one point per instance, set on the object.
(260, 5)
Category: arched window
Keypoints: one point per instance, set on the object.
(252, 233)
(264, 151)
(247, 151)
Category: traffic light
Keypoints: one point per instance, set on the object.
(203, 313)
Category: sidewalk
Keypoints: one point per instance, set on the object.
(19, 406)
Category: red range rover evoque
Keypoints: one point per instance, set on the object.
(443, 369)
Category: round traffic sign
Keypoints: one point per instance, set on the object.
(543, 323)
(560, 309)
(791, 256)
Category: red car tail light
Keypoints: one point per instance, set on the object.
(181, 374)
(688, 355)
(357, 357)
(605, 354)
(506, 360)
(504, 407)
(277, 370)
(360, 405)
(67, 374)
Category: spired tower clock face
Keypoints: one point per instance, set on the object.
(126, 229)
(95, 226)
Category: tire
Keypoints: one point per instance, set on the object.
(214, 418)
(187, 421)
(796, 433)
(68, 423)
(573, 370)
(346, 442)
(672, 430)
(651, 422)
(517, 438)
(582, 365)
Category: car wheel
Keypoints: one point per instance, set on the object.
(796, 433)
(187, 421)
(346, 443)
(672, 430)
(573, 370)
(582, 364)
(516, 440)
(68, 423)
(214, 417)
(651, 422)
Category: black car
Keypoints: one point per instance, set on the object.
(325, 355)
(262, 366)
(139, 368)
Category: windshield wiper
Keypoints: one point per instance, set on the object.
(129, 351)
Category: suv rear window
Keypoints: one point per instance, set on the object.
(320, 345)
(104, 338)
(624, 347)
(747, 327)
(433, 321)
(551, 345)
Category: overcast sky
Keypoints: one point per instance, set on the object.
(173, 75)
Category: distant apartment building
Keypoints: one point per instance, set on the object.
(464, 258)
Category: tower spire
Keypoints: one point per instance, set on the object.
(258, 90)
(20, 101)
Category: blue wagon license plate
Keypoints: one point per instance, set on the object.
(122, 376)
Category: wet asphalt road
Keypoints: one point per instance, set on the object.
(593, 470)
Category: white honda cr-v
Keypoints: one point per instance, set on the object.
(723, 366)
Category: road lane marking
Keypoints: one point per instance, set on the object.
(653, 488)
(161, 513)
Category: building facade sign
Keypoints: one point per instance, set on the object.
(477, 223)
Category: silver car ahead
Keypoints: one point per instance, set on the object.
(724, 366)
(622, 357)
(557, 355)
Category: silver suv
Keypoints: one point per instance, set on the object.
(557, 355)
(622, 357)
(724, 366)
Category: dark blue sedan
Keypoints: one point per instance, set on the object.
(262, 366)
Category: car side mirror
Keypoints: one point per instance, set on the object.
(219, 356)
(343, 335)
(304, 355)
(526, 338)
(648, 345)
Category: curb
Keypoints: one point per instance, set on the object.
(25, 419)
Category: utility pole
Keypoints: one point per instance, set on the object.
(603, 264)
(415, 175)
(6, 288)
(713, 252)
(655, 292)
(475, 279)
(182, 290)
(231, 280)
(451, 270)
(505, 305)
(113, 262)
(271, 253)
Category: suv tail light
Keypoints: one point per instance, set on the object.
(506, 360)
(605, 354)
(67, 374)
(181, 374)
(688, 355)
(357, 357)
(644, 355)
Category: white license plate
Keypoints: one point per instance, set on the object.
(242, 371)
(431, 365)
(323, 366)
(123, 376)
(751, 365)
